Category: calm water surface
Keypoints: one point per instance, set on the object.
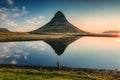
(87, 52)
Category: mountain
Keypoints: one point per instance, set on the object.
(58, 24)
(4, 30)
(60, 44)
(112, 32)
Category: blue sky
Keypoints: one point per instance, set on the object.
(89, 15)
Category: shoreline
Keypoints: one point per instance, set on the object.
(35, 37)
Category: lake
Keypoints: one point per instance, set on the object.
(83, 52)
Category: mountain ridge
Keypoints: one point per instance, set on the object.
(112, 32)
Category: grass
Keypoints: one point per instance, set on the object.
(31, 74)
(22, 36)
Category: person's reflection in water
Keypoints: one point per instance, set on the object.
(58, 65)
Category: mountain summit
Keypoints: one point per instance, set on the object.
(59, 17)
(58, 24)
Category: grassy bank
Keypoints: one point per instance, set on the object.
(24, 36)
(34, 72)
(20, 36)
(31, 74)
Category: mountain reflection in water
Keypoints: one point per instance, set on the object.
(60, 44)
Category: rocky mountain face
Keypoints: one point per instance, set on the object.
(58, 24)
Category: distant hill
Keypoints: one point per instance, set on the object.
(58, 24)
(4, 30)
(112, 32)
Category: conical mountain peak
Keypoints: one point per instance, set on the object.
(59, 17)
(59, 14)
(58, 24)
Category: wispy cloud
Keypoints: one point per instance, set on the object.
(17, 13)
(5, 20)
(11, 23)
(8, 16)
(36, 20)
(10, 2)
(30, 24)
(34, 23)
(14, 12)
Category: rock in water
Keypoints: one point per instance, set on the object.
(58, 24)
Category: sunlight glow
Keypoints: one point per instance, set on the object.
(118, 26)
(119, 40)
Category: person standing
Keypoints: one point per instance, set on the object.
(58, 65)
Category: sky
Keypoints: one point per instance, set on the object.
(89, 15)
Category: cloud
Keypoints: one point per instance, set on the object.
(5, 20)
(18, 13)
(36, 20)
(8, 16)
(24, 10)
(14, 12)
(15, 9)
(30, 24)
(10, 2)
(33, 23)
(11, 23)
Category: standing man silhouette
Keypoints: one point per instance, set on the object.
(58, 65)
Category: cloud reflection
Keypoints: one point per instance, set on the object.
(13, 61)
(36, 45)
(11, 52)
